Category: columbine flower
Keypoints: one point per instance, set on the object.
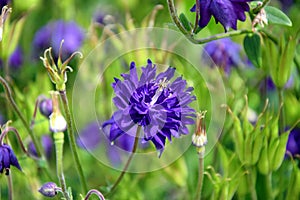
(47, 145)
(224, 53)
(45, 107)
(227, 12)
(159, 106)
(7, 158)
(53, 33)
(49, 189)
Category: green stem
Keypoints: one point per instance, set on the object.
(190, 36)
(281, 111)
(138, 130)
(10, 187)
(258, 8)
(59, 143)
(21, 117)
(268, 186)
(251, 185)
(71, 137)
(200, 175)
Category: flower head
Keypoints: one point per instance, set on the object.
(53, 33)
(49, 189)
(47, 145)
(224, 53)
(227, 12)
(7, 158)
(159, 106)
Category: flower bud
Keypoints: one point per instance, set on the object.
(49, 189)
(3, 15)
(199, 139)
(56, 120)
(45, 107)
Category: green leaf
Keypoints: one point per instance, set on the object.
(276, 16)
(185, 22)
(253, 49)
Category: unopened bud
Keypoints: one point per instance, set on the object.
(199, 139)
(49, 189)
(56, 119)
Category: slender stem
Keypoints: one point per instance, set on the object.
(190, 36)
(258, 8)
(71, 137)
(197, 16)
(268, 186)
(59, 143)
(251, 185)
(22, 118)
(200, 175)
(138, 130)
(281, 111)
(10, 187)
(96, 192)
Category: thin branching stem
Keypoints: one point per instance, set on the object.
(96, 192)
(129, 159)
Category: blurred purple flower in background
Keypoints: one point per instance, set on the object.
(7, 158)
(47, 144)
(16, 59)
(227, 12)
(2, 119)
(293, 144)
(3, 3)
(53, 33)
(224, 53)
(91, 137)
(159, 106)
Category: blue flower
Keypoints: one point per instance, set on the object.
(224, 53)
(159, 106)
(7, 158)
(227, 12)
(53, 33)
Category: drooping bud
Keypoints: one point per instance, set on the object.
(199, 138)
(56, 119)
(49, 189)
(45, 107)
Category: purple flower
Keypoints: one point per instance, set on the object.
(45, 107)
(224, 53)
(293, 144)
(91, 137)
(159, 106)
(2, 119)
(16, 59)
(4, 3)
(227, 12)
(7, 158)
(53, 33)
(49, 189)
(47, 144)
